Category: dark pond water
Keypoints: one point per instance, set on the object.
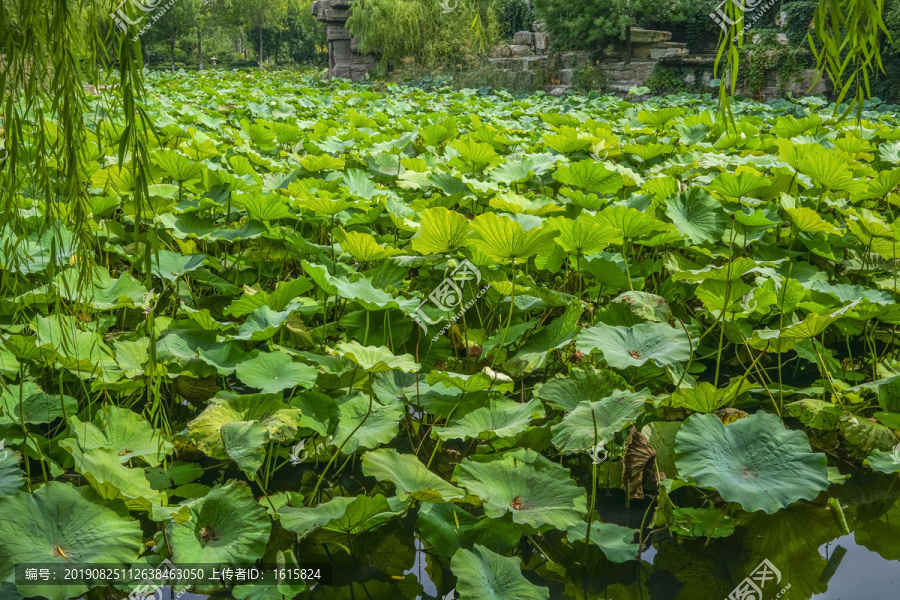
(808, 556)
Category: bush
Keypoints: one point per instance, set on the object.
(514, 16)
(397, 29)
(590, 24)
(477, 74)
(666, 80)
(798, 16)
(588, 78)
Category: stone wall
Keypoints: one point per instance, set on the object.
(529, 54)
(344, 58)
(649, 50)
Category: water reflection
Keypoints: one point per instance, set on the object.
(811, 558)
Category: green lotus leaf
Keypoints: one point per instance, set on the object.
(754, 462)
(322, 162)
(590, 176)
(377, 359)
(362, 246)
(513, 171)
(206, 430)
(864, 437)
(11, 476)
(474, 154)
(359, 184)
(701, 522)
(409, 475)
(645, 152)
(593, 423)
(566, 141)
(36, 405)
(817, 414)
(272, 372)
(284, 296)
(616, 542)
(625, 347)
(549, 498)
(827, 168)
(806, 219)
(485, 379)
(104, 292)
(502, 418)
(57, 525)
(302, 520)
(632, 223)
(171, 265)
(177, 166)
(737, 185)
(447, 528)
(264, 207)
(647, 306)
(245, 442)
(377, 428)
(82, 352)
(583, 385)
(883, 462)
(365, 513)
(485, 575)
(659, 118)
(262, 324)
(773, 340)
(124, 431)
(438, 133)
(503, 239)
(227, 527)
(361, 290)
(111, 479)
(697, 215)
(705, 398)
(440, 231)
(584, 235)
(324, 205)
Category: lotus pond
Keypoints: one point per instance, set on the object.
(517, 347)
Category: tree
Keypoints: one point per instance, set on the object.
(261, 15)
(211, 15)
(588, 24)
(171, 25)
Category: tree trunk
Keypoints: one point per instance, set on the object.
(628, 45)
(260, 49)
(200, 47)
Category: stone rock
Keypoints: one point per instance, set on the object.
(649, 36)
(502, 51)
(541, 42)
(523, 38)
(520, 50)
(667, 49)
(538, 27)
(558, 90)
(565, 76)
(344, 58)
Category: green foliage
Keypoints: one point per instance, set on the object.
(762, 57)
(588, 78)
(375, 313)
(422, 30)
(589, 24)
(798, 20)
(514, 16)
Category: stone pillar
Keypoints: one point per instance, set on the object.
(344, 59)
